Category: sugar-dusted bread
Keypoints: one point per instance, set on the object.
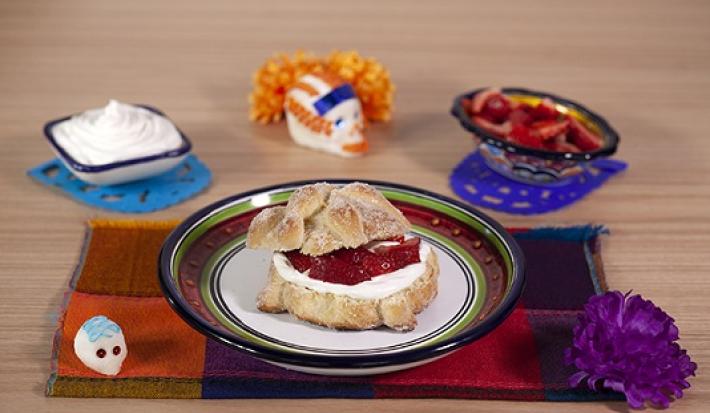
(397, 311)
(321, 218)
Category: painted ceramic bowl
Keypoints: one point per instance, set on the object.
(123, 171)
(537, 166)
(212, 281)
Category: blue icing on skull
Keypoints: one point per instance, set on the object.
(100, 326)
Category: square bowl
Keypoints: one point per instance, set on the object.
(123, 171)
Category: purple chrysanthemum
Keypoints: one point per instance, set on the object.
(627, 344)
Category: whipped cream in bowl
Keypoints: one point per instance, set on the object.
(117, 143)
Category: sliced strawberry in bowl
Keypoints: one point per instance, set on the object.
(521, 115)
(567, 147)
(480, 99)
(582, 137)
(466, 104)
(524, 136)
(560, 144)
(512, 132)
(499, 130)
(545, 110)
(496, 108)
(548, 129)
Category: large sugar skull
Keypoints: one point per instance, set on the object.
(323, 112)
(100, 345)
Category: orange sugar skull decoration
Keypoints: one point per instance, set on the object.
(324, 113)
(326, 102)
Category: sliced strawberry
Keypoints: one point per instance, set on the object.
(347, 254)
(479, 100)
(582, 137)
(548, 129)
(466, 105)
(399, 256)
(326, 267)
(567, 147)
(352, 266)
(496, 109)
(376, 265)
(299, 261)
(524, 136)
(520, 116)
(560, 145)
(551, 144)
(545, 110)
(498, 130)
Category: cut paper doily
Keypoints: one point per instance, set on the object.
(476, 183)
(159, 192)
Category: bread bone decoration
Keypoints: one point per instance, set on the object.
(320, 220)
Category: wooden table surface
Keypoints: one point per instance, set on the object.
(644, 65)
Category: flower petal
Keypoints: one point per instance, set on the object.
(629, 344)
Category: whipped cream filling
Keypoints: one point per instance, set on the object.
(377, 287)
(114, 133)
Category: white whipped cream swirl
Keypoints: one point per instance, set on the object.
(377, 287)
(117, 132)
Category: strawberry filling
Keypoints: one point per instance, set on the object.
(539, 126)
(350, 266)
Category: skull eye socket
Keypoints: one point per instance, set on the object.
(100, 353)
(116, 350)
(339, 123)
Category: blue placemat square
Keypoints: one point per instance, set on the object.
(476, 183)
(159, 192)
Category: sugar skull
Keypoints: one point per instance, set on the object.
(100, 345)
(323, 112)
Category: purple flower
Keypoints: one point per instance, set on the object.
(627, 344)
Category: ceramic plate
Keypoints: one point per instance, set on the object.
(211, 279)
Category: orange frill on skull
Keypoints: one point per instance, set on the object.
(278, 74)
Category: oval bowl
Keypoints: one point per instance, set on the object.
(531, 165)
(212, 280)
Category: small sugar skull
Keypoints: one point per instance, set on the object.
(323, 112)
(100, 345)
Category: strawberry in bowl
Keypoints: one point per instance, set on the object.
(533, 136)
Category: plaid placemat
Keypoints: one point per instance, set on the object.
(520, 360)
